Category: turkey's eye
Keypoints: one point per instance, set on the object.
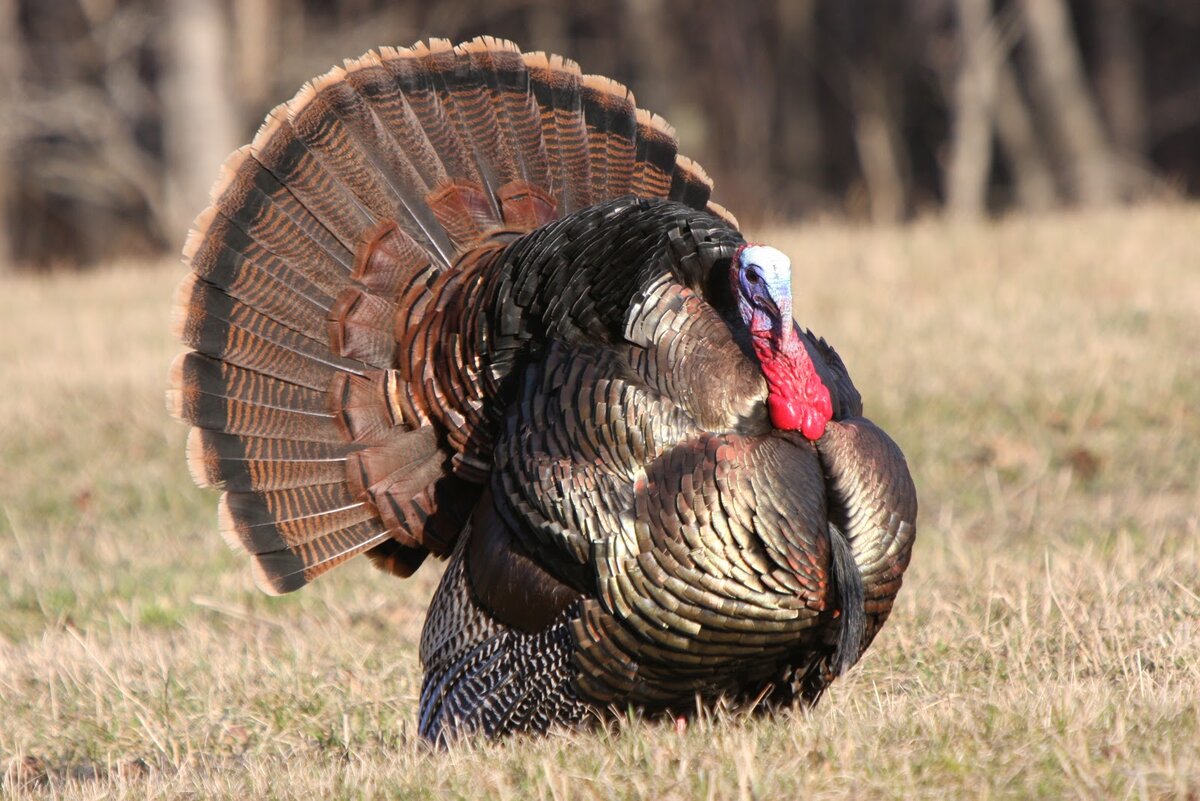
(752, 276)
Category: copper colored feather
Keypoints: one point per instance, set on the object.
(470, 302)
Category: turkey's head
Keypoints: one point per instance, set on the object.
(797, 398)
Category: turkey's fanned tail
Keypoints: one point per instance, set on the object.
(328, 237)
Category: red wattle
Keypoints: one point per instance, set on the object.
(814, 425)
(784, 414)
(797, 399)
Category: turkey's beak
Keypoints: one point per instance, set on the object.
(785, 326)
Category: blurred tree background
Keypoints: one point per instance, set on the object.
(115, 114)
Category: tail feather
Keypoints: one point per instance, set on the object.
(465, 210)
(219, 396)
(290, 542)
(301, 507)
(541, 79)
(224, 328)
(241, 463)
(525, 206)
(317, 296)
(313, 119)
(611, 117)
(504, 84)
(511, 84)
(376, 84)
(288, 569)
(260, 279)
(690, 184)
(387, 260)
(376, 81)
(719, 211)
(464, 95)
(254, 201)
(360, 327)
(561, 80)
(412, 74)
(396, 185)
(656, 151)
(284, 154)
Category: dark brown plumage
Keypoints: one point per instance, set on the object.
(469, 302)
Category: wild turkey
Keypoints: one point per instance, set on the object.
(468, 302)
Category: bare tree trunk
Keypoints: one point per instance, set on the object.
(797, 144)
(200, 121)
(878, 142)
(974, 98)
(1120, 79)
(10, 97)
(726, 122)
(255, 26)
(1069, 107)
(652, 54)
(743, 147)
(1020, 143)
(1120, 88)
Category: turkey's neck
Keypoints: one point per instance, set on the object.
(797, 398)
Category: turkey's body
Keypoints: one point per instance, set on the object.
(467, 302)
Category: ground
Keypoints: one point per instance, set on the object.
(1042, 375)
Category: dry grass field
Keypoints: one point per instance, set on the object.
(1042, 375)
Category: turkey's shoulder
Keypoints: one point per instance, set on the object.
(681, 347)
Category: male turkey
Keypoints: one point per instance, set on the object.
(469, 302)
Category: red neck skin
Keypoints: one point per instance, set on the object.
(797, 399)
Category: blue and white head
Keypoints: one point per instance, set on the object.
(762, 279)
(797, 399)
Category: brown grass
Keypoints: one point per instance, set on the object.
(1043, 377)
